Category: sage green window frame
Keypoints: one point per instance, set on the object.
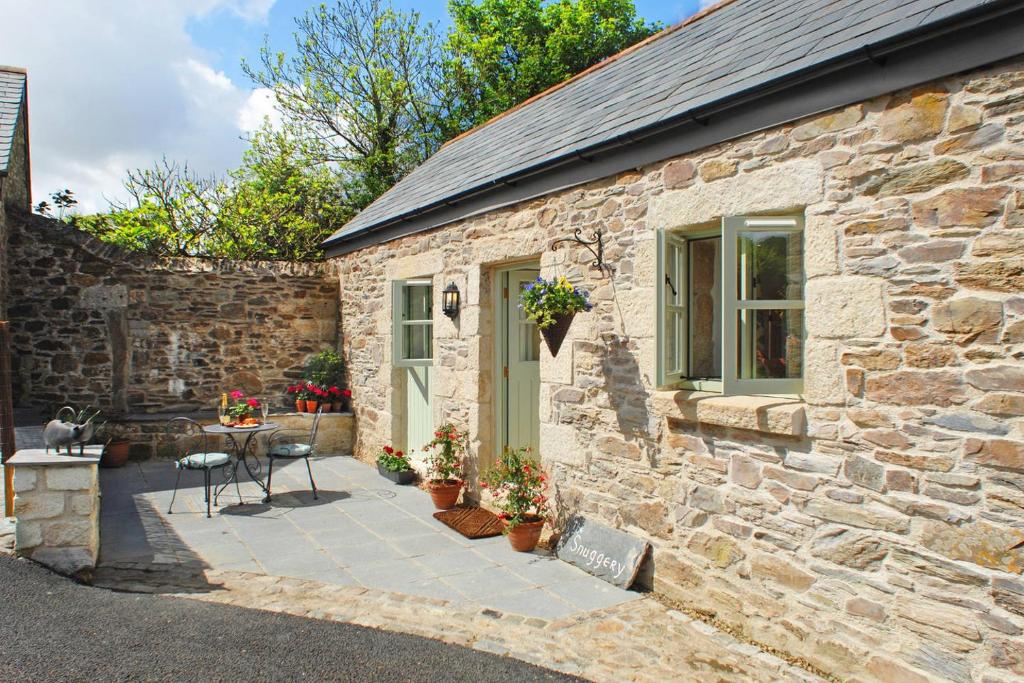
(674, 308)
(401, 326)
(671, 306)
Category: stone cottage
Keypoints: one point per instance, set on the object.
(802, 379)
(15, 184)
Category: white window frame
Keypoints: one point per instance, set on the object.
(676, 305)
(399, 326)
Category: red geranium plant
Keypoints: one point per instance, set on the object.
(446, 451)
(519, 487)
(392, 460)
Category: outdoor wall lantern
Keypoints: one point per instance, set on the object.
(450, 301)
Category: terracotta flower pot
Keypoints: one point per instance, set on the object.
(554, 335)
(445, 493)
(336, 407)
(115, 454)
(300, 405)
(311, 406)
(524, 536)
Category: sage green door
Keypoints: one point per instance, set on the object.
(413, 327)
(520, 353)
(419, 427)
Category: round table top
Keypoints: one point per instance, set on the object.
(222, 429)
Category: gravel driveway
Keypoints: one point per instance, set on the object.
(52, 629)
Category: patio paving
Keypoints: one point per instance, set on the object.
(363, 531)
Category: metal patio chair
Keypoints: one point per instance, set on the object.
(292, 444)
(189, 437)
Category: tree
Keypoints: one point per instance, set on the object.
(281, 204)
(502, 52)
(278, 205)
(365, 87)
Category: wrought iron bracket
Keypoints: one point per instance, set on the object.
(597, 241)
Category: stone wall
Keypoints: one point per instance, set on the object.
(57, 509)
(866, 525)
(93, 325)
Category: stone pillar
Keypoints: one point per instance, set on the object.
(56, 509)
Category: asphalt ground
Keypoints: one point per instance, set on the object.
(52, 629)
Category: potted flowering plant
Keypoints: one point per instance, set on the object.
(241, 407)
(339, 398)
(445, 465)
(552, 304)
(518, 486)
(296, 391)
(394, 465)
(314, 396)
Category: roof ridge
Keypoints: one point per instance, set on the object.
(596, 67)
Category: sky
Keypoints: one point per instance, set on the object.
(119, 84)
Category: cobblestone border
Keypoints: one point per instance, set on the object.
(642, 640)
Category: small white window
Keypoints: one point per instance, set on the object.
(413, 322)
(730, 306)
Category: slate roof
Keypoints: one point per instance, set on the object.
(12, 92)
(735, 47)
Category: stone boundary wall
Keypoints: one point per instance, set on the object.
(148, 438)
(869, 528)
(94, 325)
(56, 509)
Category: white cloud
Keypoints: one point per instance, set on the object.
(258, 106)
(120, 88)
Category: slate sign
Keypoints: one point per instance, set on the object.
(607, 553)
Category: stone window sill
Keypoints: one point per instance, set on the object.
(771, 414)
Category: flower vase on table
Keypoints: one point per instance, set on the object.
(240, 410)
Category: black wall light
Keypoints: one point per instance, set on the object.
(450, 301)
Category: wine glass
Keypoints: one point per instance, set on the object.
(265, 409)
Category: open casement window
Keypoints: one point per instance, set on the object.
(730, 307)
(412, 322)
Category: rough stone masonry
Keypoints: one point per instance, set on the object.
(94, 325)
(866, 525)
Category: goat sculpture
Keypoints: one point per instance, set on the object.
(78, 430)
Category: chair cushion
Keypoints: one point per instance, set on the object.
(198, 461)
(290, 450)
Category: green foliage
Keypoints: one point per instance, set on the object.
(545, 300)
(325, 369)
(365, 86)
(278, 205)
(518, 485)
(502, 52)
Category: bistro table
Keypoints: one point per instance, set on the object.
(242, 453)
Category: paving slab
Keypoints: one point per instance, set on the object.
(361, 531)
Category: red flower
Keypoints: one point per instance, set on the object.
(237, 394)
(347, 393)
(253, 403)
(526, 469)
(400, 454)
(483, 484)
(389, 450)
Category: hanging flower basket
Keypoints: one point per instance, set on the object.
(555, 333)
(552, 304)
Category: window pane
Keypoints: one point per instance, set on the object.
(770, 265)
(418, 303)
(416, 341)
(770, 343)
(706, 308)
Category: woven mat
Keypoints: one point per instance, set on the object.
(471, 522)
